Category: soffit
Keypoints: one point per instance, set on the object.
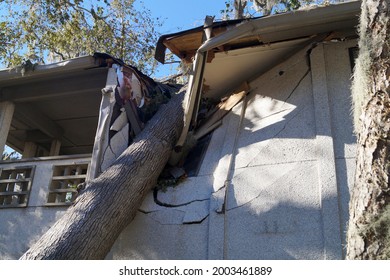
(58, 104)
(229, 69)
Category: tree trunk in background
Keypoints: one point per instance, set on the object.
(368, 234)
(239, 6)
(89, 228)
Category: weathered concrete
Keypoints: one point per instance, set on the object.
(173, 241)
(22, 227)
(326, 157)
(339, 71)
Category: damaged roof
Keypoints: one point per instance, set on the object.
(57, 101)
(236, 34)
(240, 50)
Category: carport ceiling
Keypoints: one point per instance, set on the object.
(63, 106)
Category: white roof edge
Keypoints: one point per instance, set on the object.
(57, 67)
(285, 21)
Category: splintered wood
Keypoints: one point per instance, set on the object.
(221, 110)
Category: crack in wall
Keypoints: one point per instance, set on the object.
(167, 205)
(257, 196)
(277, 163)
(146, 212)
(217, 190)
(198, 219)
(112, 151)
(196, 222)
(165, 218)
(298, 84)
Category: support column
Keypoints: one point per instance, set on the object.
(55, 148)
(329, 197)
(29, 150)
(6, 113)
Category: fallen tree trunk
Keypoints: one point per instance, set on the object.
(89, 228)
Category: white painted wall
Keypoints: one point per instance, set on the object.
(292, 167)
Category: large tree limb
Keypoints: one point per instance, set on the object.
(89, 228)
(368, 234)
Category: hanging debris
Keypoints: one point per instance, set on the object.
(130, 99)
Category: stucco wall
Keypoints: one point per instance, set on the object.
(292, 163)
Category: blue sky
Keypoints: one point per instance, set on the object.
(180, 15)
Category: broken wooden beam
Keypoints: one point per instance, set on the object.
(222, 109)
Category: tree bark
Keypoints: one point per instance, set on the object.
(89, 228)
(368, 234)
(239, 6)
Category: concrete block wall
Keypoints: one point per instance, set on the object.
(290, 148)
(21, 227)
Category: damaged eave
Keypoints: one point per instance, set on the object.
(263, 30)
(274, 37)
(296, 23)
(184, 44)
(52, 104)
(42, 71)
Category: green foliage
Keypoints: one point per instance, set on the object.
(266, 7)
(227, 12)
(50, 30)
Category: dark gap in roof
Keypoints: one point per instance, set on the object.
(195, 157)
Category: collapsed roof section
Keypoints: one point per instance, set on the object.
(59, 103)
(55, 101)
(224, 55)
(237, 45)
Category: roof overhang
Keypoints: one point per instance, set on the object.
(240, 50)
(341, 19)
(56, 101)
(237, 52)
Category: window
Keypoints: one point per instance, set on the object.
(15, 186)
(64, 183)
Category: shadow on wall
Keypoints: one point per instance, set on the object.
(279, 216)
(274, 206)
(20, 228)
(283, 231)
(278, 155)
